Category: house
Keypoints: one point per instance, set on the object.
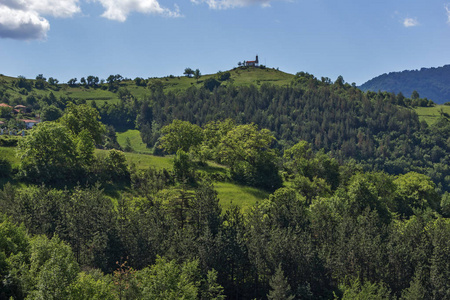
(252, 63)
(20, 108)
(30, 123)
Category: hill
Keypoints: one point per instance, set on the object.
(432, 83)
(18, 89)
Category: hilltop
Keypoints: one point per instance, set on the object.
(103, 90)
(431, 83)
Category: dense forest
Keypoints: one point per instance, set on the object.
(432, 83)
(358, 208)
(376, 130)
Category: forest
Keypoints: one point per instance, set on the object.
(430, 82)
(359, 202)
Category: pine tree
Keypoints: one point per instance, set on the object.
(281, 289)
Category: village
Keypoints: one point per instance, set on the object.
(16, 120)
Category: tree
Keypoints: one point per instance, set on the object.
(211, 83)
(53, 81)
(247, 151)
(50, 113)
(181, 135)
(197, 74)
(188, 72)
(53, 268)
(168, 280)
(72, 82)
(48, 153)
(280, 287)
(415, 191)
(92, 80)
(40, 82)
(80, 117)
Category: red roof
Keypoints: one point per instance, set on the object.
(5, 105)
(2, 122)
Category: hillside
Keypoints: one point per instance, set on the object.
(431, 83)
(18, 89)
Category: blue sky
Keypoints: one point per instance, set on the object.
(153, 38)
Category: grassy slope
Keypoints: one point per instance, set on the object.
(135, 141)
(229, 193)
(431, 114)
(239, 77)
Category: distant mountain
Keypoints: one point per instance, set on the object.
(431, 83)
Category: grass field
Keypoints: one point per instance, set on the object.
(144, 161)
(135, 140)
(243, 196)
(431, 114)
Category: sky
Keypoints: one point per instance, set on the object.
(358, 40)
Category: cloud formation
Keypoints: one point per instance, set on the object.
(23, 19)
(226, 4)
(118, 10)
(410, 22)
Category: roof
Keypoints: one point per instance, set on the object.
(30, 121)
(20, 106)
(5, 105)
(1, 122)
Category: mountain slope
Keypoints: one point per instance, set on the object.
(431, 83)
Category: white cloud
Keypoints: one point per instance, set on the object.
(226, 4)
(22, 25)
(23, 19)
(119, 10)
(410, 22)
(447, 9)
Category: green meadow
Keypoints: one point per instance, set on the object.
(431, 114)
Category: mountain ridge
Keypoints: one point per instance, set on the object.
(432, 83)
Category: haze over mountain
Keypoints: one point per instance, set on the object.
(431, 83)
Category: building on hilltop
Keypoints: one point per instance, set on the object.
(252, 63)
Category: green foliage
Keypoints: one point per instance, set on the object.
(358, 291)
(169, 280)
(92, 285)
(415, 191)
(52, 269)
(14, 249)
(5, 111)
(429, 82)
(246, 150)
(48, 153)
(83, 117)
(5, 168)
(211, 84)
(182, 167)
(50, 113)
(280, 289)
(180, 135)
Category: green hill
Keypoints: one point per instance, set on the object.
(431, 83)
(15, 92)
